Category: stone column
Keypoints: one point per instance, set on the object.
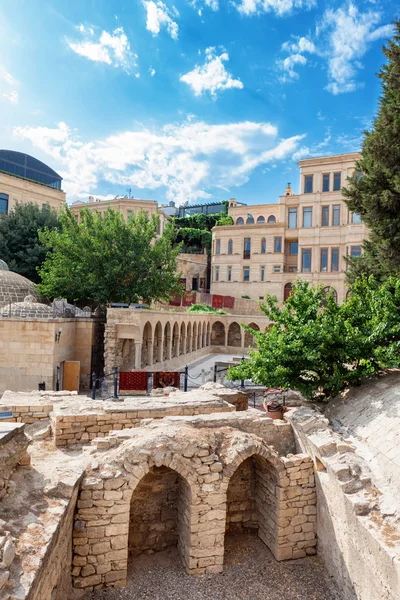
(169, 347)
(160, 346)
(149, 352)
(138, 355)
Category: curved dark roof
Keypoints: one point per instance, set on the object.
(20, 164)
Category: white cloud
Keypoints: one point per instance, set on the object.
(152, 71)
(212, 76)
(158, 16)
(349, 34)
(287, 66)
(111, 48)
(186, 160)
(279, 7)
(13, 96)
(8, 81)
(297, 46)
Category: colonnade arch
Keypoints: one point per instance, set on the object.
(249, 339)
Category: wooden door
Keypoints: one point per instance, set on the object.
(71, 372)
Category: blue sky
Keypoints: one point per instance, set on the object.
(193, 100)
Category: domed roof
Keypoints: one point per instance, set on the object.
(28, 309)
(15, 287)
(3, 266)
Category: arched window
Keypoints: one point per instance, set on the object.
(230, 247)
(240, 221)
(260, 220)
(271, 219)
(263, 245)
(250, 220)
(287, 291)
(328, 289)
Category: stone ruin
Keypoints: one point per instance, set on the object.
(87, 486)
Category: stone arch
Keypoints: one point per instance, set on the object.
(250, 220)
(240, 221)
(175, 340)
(147, 345)
(234, 335)
(249, 339)
(182, 340)
(218, 334)
(128, 354)
(167, 341)
(251, 484)
(189, 338)
(158, 343)
(194, 341)
(329, 289)
(260, 219)
(271, 219)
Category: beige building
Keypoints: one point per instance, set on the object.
(304, 235)
(24, 179)
(126, 206)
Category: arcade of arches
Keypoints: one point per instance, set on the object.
(142, 339)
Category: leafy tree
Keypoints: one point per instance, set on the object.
(194, 231)
(104, 259)
(318, 347)
(20, 246)
(374, 191)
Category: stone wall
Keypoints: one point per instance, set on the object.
(358, 537)
(13, 445)
(241, 515)
(205, 460)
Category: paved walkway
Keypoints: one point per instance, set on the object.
(251, 573)
(207, 363)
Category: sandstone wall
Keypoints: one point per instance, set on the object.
(13, 445)
(357, 542)
(241, 515)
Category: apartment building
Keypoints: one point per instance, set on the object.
(25, 179)
(126, 206)
(304, 235)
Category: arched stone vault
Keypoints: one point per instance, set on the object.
(205, 460)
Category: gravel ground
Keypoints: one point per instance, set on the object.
(250, 573)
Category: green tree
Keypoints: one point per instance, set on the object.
(318, 347)
(104, 259)
(374, 191)
(194, 231)
(20, 246)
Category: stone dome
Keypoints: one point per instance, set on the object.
(28, 309)
(3, 266)
(15, 287)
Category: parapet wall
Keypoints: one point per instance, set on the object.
(357, 542)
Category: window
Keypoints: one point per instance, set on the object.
(250, 220)
(307, 217)
(247, 248)
(263, 245)
(3, 204)
(278, 244)
(230, 247)
(357, 175)
(355, 251)
(336, 215)
(272, 219)
(292, 269)
(330, 290)
(218, 247)
(216, 273)
(325, 182)
(260, 220)
(336, 182)
(324, 259)
(308, 184)
(44, 206)
(277, 269)
(335, 259)
(293, 248)
(240, 221)
(306, 260)
(325, 216)
(129, 212)
(262, 273)
(246, 273)
(229, 273)
(287, 290)
(355, 218)
(292, 218)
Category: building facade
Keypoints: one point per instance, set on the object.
(126, 206)
(304, 235)
(24, 179)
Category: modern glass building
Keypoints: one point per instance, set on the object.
(22, 165)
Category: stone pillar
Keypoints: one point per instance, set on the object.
(169, 347)
(159, 348)
(138, 355)
(226, 337)
(149, 352)
(242, 336)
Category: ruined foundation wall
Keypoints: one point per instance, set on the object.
(357, 543)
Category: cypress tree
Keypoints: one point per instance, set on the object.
(374, 190)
